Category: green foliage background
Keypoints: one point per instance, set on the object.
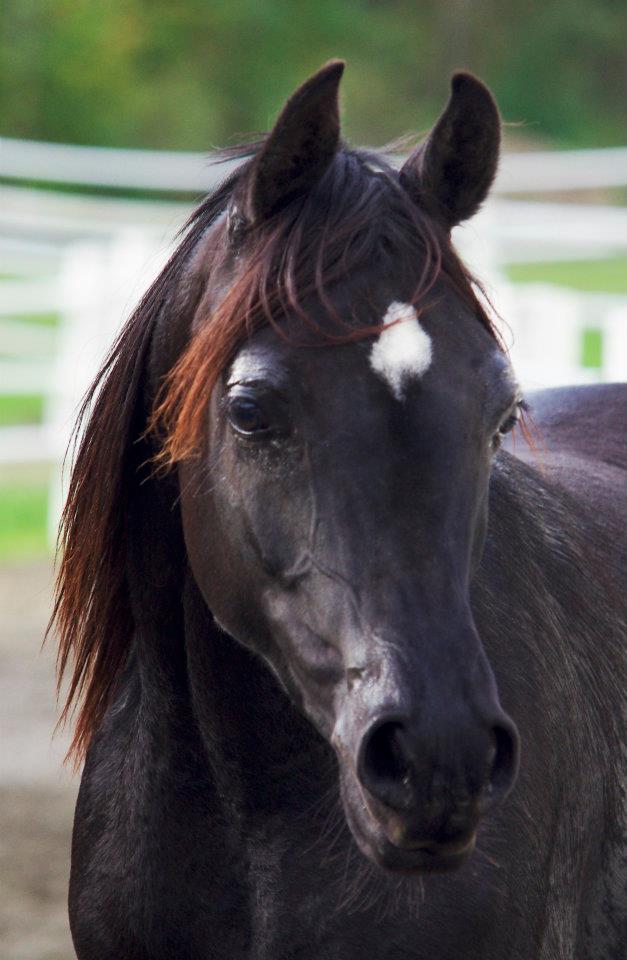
(195, 74)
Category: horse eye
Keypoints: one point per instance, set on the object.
(246, 416)
(509, 423)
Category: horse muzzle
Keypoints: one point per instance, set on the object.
(415, 792)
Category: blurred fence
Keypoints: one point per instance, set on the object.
(180, 171)
(87, 259)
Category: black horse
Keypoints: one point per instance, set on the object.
(305, 658)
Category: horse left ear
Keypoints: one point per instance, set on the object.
(451, 172)
(298, 150)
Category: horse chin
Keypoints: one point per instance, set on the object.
(415, 858)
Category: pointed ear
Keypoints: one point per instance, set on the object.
(299, 149)
(451, 172)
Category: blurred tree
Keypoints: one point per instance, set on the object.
(194, 74)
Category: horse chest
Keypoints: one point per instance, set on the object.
(175, 876)
(308, 904)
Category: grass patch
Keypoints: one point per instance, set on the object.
(40, 319)
(597, 276)
(21, 408)
(591, 348)
(23, 512)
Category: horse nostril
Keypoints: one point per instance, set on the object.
(405, 772)
(383, 765)
(504, 764)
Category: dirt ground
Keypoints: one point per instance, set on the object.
(36, 794)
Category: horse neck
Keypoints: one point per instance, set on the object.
(548, 628)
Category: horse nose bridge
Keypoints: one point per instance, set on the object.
(393, 677)
(403, 571)
(421, 660)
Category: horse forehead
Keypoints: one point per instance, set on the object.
(409, 348)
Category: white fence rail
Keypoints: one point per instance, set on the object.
(523, 232)
(175, 171)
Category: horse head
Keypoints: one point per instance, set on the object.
(334, 418)
(329, 394)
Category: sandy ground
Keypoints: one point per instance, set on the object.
(36, 794)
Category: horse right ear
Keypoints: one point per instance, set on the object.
(297, 152)
(451, 172)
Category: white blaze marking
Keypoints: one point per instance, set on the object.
(402, 350)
